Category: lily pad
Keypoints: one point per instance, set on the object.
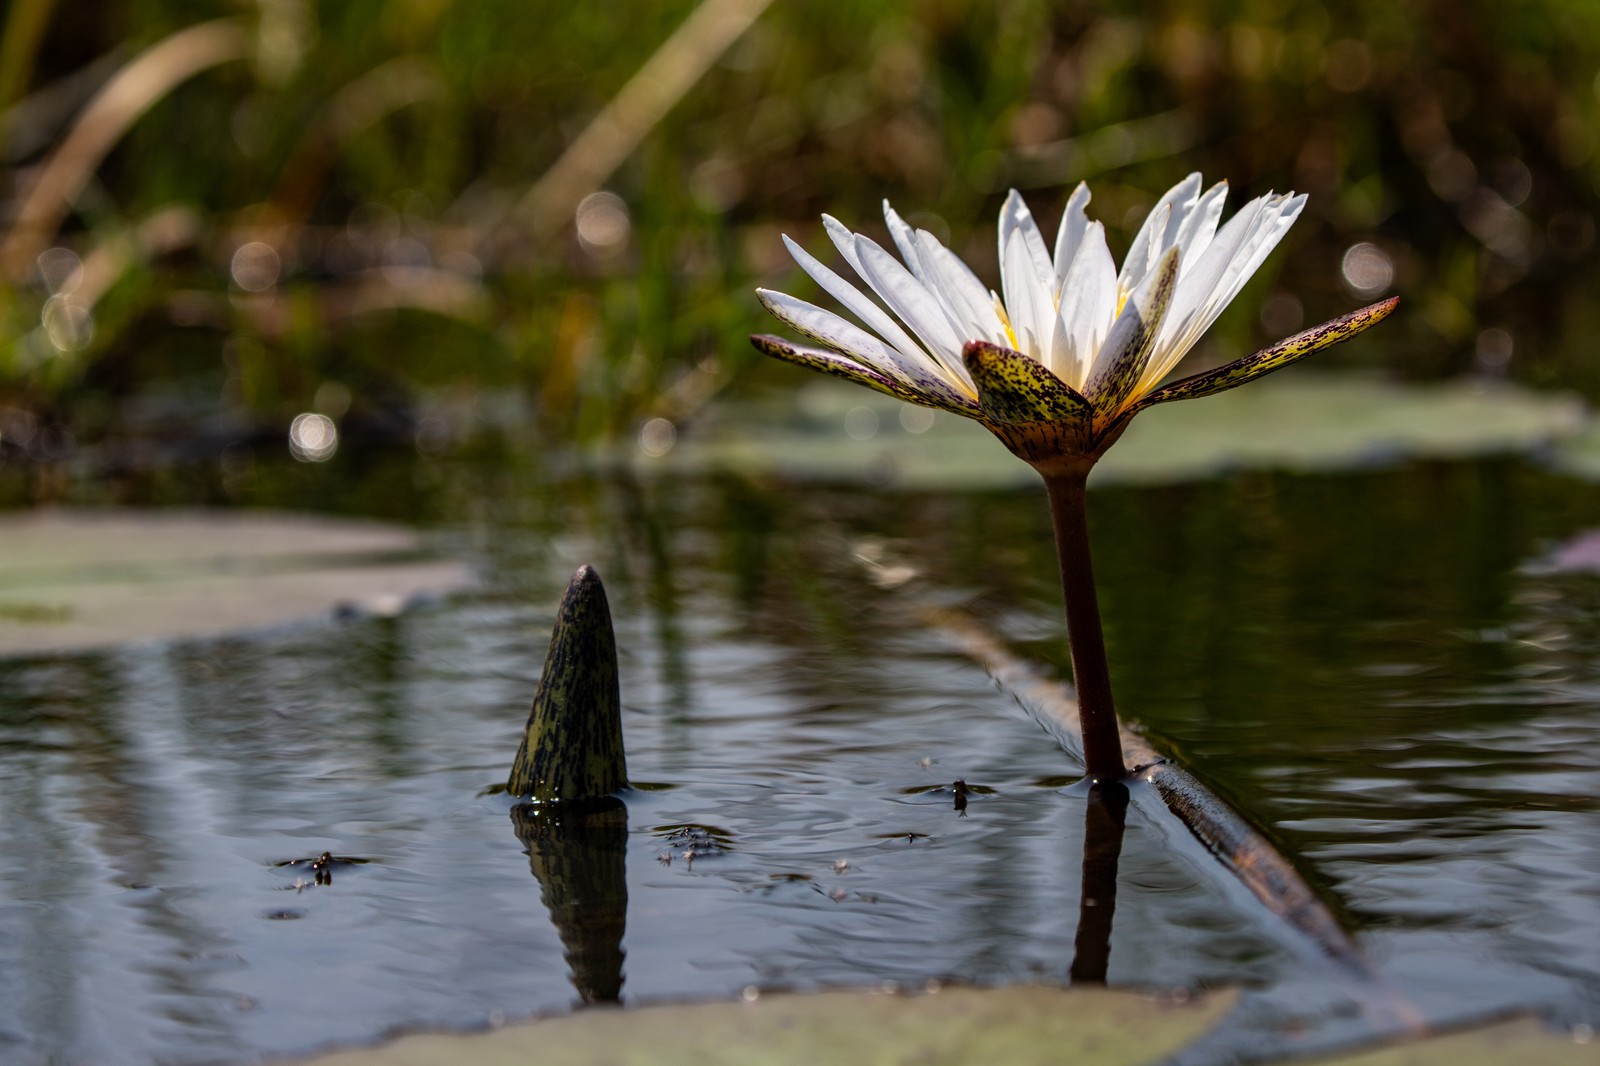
(1021, 1025)
(1524, 1041)
(71, 580)
(1298, 420)
(1579, 454)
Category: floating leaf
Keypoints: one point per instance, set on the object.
(1524, 1041)
(82, 579)
(1018, 1026)
(1305, 420)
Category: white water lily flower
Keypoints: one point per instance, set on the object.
(1071, 348)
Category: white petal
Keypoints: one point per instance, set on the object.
(1146, 249)
(1022, 297)
(1234, 258)
(1258, 248)
(856, 302)
(1016, 218)
(969, 304)
(1159, 231)
(905, 240)
(1088, 305)
(844, 239)
(1276, 217)
(1207, 269)
(917, 307)
(1122, 360)
(1070, 236)
(1060, 343)
(1201, 225)
(842, 336)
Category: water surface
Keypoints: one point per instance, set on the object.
(1377, 668)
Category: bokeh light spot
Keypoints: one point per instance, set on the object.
(657, 436)
(1366, 269)
(603, 223)
(256, 266)
(59, 270)
(861, 423)
(313, 438)
(916, 419)
(68, 322)
(1494, 350)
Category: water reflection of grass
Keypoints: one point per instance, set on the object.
(370, 195)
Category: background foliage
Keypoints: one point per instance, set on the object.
(346, 219)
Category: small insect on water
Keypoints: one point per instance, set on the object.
(322, 866)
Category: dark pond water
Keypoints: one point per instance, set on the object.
(1377, 668)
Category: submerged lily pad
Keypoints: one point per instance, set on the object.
(1524, 1041)
(80, 579)
(1298, 421)
(1021, 1025)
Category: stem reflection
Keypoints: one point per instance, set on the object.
(1104, 817)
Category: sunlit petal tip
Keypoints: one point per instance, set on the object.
(1016, 390)
(1290, 350)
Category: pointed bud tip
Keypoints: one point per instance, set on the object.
(1372, 314)
(586, 582)
(976, 353)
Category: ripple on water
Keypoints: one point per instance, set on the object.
(1407, 742)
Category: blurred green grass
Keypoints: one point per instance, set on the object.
(341, 218)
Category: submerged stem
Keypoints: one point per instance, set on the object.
(1102, 744)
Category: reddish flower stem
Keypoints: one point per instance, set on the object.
(1097, 715)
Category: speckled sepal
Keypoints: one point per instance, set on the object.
(572, 748)
(1132, 340)
(841, 367)
(827, 363)
(1016, 390)
(1269, 359)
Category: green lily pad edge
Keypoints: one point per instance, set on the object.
(1024, 1025)
(76, 580)
(1018, 1026)
(1299, 420)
